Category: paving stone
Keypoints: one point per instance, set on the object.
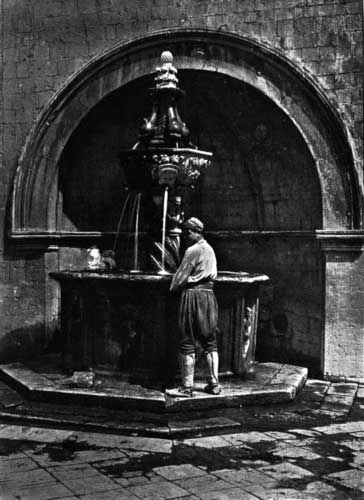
(278, 435)
(48, 491)
(260, 489)
(228, 494)
(26, 477)
(285, 470)
(133, 481)
(172, 472)
(196, 425)
(357, 459)
(69, 498)
(285, 450)
(289, 494)
(244, 476)
(159, 491)
(59, 456)
(307, 442)
(343, 389)
(202, 484)
(16, 465)
(38, 434)
(74, 471)
(320, 487)
(117, 494)
(99, 439)
(340, 428)
(206, 442)
(81, 486)
(354, 444)
(96, 455)
(118, 463)
(247, 437)
(152, 445)
(336, 413)
(352, 479)
(10, 454)
(333, 404)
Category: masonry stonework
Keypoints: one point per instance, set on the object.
(312, 311)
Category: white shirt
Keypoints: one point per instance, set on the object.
(198, 263)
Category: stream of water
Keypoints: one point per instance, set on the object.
(164, 223)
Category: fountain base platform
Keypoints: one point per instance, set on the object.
(43, 381)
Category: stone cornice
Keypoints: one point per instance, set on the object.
(329, 240)
(341, 241)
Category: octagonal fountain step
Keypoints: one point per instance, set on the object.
(274, 383)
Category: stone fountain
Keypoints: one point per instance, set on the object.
(123, 321)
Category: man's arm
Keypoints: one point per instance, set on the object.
(183, 272)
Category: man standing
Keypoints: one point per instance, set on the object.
(198, 309)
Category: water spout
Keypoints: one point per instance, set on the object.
(136, 235)
(164, 223)
(126, 202)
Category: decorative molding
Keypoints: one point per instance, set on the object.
(341, 241)
(330, 241)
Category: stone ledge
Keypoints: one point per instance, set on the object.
(274, 383)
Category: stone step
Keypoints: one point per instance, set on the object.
(274, 383)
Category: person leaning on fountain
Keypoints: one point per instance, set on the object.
(198, 310)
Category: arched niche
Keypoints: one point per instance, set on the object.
(35, 190)
(262, 177)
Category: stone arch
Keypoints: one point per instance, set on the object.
(34, 201)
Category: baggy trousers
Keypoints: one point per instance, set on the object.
(198, 314)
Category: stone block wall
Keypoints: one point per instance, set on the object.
(45, 42)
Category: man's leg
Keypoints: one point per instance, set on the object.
(187, 348)
(207, 321)
(212, 359)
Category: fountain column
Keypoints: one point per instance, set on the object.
(165, 160)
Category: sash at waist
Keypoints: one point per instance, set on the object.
(207, 285)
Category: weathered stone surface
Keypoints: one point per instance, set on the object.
(173, 472)
(44, 44)
(285, 470)
(353, 479)
(235, 392)
(160, 490)
(319, 462)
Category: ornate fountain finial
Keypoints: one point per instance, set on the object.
(166, 73)
(164, 154)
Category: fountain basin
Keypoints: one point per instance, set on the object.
(126, 323)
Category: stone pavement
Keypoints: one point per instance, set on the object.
(311, 448)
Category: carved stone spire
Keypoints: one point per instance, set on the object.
(166, 73)
(164, 155)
